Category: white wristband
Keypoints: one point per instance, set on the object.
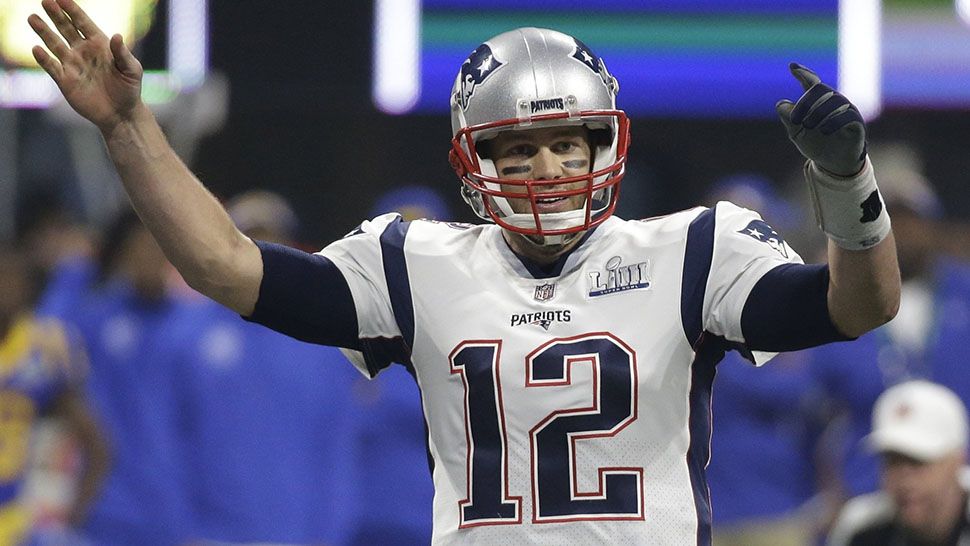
(849, 210)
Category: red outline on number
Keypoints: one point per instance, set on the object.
(497, 343)
(602, 471)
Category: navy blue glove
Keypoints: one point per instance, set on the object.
(825, 127)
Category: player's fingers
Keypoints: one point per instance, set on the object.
(50, 38)
(812, 99)
(833, 103)
(784, 108)
(805, 76)
(50, 65)
(80, 19)
(841, 119)
(62, 22)
(124, 60)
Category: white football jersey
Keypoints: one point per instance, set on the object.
(571, 409)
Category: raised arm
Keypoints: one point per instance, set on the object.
(101, 79)
(863, 286)
(864, 282)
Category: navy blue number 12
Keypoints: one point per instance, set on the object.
(555, 494)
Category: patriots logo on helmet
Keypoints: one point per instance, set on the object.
(761, 231)
(586, 56)
(476, 68)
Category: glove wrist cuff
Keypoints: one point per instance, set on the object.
(849, 210)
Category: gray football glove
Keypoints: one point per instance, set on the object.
(825, 127)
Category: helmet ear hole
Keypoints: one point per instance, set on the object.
(600, 137)
(600, 141)
(485, 148)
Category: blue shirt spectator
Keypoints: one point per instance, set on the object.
(392, 455)
(266, 423)
(766, 424)
(123, 309)
(132, 390)
(856, 373)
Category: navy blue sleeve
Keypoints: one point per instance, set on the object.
(788, 310)
(305, 296)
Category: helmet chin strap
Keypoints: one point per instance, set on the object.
(548, 241)
(550, 220)
(562, 239)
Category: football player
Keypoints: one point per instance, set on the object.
(42, 374)
(565, 357)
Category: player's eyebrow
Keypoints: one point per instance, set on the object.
(575, 163)
(516, 169)
(567, 132)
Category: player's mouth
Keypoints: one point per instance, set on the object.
(552, 204)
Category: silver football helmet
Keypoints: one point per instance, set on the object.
(531, 78)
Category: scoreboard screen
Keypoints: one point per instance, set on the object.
(673, 58)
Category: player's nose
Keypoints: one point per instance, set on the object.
(547, 165)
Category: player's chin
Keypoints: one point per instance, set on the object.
(915, 514)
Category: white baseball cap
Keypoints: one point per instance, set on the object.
(919, 419)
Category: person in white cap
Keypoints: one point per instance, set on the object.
(920, 430)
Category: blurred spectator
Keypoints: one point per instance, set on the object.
(41, 370)
(762, 475)
(927, 339)
(756, 192)
(396, 491)
(50, 235)
(123, 309)
(413, 203)
(766, 421)
(920, 431)
(265, 419)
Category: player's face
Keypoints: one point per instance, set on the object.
(547, 153)
(921, 489)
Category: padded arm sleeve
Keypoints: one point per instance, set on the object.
(788, 310)
(305, 296)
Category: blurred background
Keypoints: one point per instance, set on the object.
(308, 117)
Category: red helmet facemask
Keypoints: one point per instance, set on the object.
(489, 194)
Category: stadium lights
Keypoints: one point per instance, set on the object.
(397, 70)
(963, 11)
(859, 54)
(27, 86)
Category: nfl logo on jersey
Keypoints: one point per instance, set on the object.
(545, 292)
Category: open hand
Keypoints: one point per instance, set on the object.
(99, 77)
(825, 127)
